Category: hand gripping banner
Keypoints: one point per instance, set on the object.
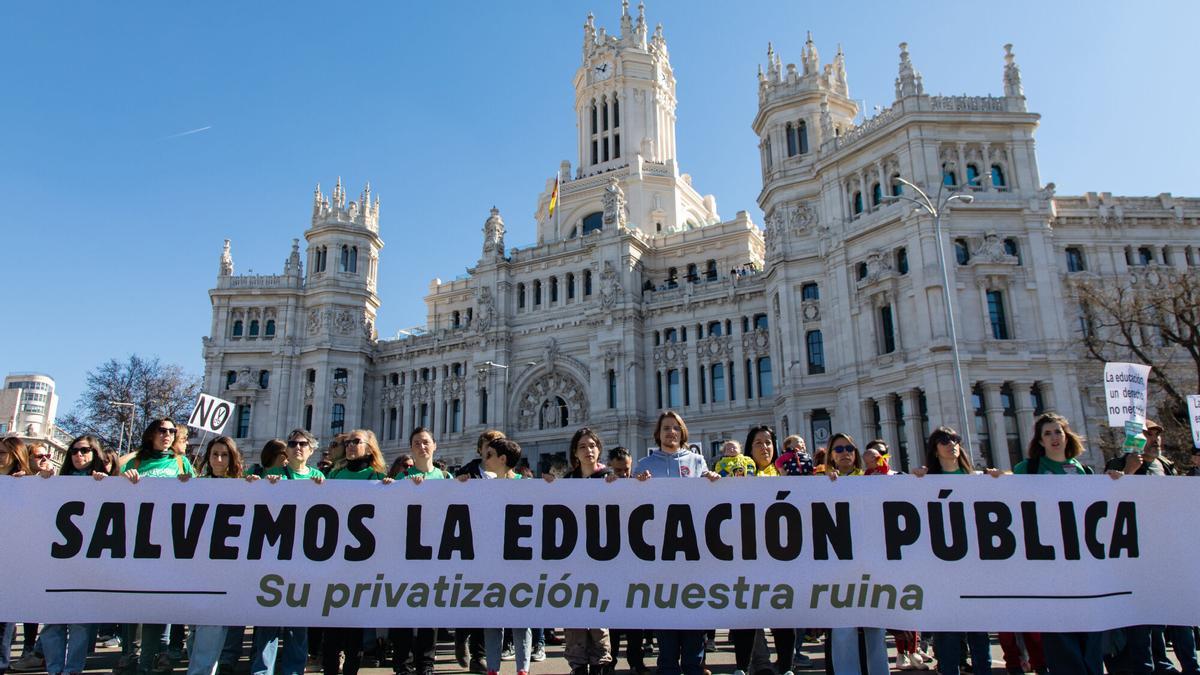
(1020, 553)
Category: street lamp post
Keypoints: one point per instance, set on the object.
(132, 411)
(934, 207)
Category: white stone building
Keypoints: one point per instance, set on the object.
(639, 297)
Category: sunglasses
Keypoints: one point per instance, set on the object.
(948, 440)
(297, 444)
(39, 457)
(80, 451)
(843, 448)
(354, 441)
(167, 431)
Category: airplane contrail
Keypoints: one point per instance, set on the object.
(188, 133)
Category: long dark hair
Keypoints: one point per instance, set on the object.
(748, 448)
(151, 431)
(235, 458)
(949, 436)
(1074, 444)
(582, 433)
(97, 463)
(19, 454)
(830, 464)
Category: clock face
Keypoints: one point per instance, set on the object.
(602, 71)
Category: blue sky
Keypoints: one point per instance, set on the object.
(113, 221)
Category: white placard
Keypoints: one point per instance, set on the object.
(962, 553)
(1193, 402)
(210, 414)
(1125, 392)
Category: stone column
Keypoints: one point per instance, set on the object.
(997, 437)
(888, 426)
(868, 419)
(912, 428)
(1023, 402)
(1047, 390)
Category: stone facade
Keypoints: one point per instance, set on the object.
(639, 297)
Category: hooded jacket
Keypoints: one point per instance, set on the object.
(682, 464)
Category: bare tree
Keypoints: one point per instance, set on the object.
(155, 389)
(1151, 317)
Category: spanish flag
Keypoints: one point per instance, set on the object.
(554, 196)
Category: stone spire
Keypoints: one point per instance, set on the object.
(226, 261)
(1012, 74)
(810, 58)
(626, 22)
(339, 194)
(640, 29)
(909, 81)
(839, 74)
(493, 235)
(292, 266)
(773, 63)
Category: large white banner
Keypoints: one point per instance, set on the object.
(1193, 403)
(934, 553)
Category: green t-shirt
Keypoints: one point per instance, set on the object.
(957, 472)
(365, 473)
(1049, 466)
(433, 474)
(160, 465)
(305, 472)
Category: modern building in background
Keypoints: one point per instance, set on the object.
(28, 406)
(639, 297)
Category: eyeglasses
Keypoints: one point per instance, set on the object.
(297, 444)
(168, 431)
(842, 448)
(81, 451)
(353, 441)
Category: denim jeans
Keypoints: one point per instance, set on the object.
(949, 652)
(266, 645)
(1183, 640)
(680, 651)
(1075, 653)
(844, 647)
(205, 653)
(232, 651)
(6, 637)
(152, 644)
(493, 641)
(66, 647)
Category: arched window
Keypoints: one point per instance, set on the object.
(670, 335)
(673, 398)
(230, 378)
(270, 328)
(308, 418)
(337, 420)
(310, 376)
(972, 175)
(858, 202)
(862, 271)
(341, 375)
(254, 328)
(570, 286)
(1011, 248)
(897, 186)
(815, 347)
(810, 291)
(587, 283)
(710, 270)
(354, 259)
(1145, 256)
(802, 133)
(593, 222)
(760, 322)
(264, 379)
(693, 273)
(537, 292)
(714, 329)
(792, 145)
(616, 113)
(876, 194)
(553, 289)
(344, 263)
(238, 328)
(455, 319)
(520, 296)
(604, 113)
(595, 114)
(998, 176)
(949, 179)
(902, 260)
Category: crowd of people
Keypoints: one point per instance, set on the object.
(162, 453)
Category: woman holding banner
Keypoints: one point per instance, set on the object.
(1053, 450)
(299, 447)
(760, 447)
(846, 460)
(221, 460)
(66, 646)
(363, 461)
(415, 649)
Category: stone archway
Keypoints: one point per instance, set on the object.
(552, 401)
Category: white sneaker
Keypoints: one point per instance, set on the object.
(917, 661)
(903, 662)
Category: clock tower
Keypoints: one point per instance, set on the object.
(624, 96)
